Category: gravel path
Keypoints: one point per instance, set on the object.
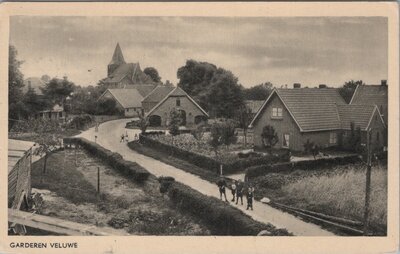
(108, 136)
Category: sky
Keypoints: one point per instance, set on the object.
(284, 50)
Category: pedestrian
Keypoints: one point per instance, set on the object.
(136, 136)
(126, 137)
(122, 138)
(221, 185)
(239, 192)
(249, 197)
(233, 189)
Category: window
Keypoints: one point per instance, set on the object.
(277, 112)
(178, 102)
(127, 110)
(333, 138)
(60, 114)
(285, 140)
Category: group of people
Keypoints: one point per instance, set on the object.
(238, 189)
(124, 137)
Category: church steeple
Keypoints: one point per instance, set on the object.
(116, 61)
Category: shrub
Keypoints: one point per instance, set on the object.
(226, 219)
(208, 163)
(302, 165)
(115, 160)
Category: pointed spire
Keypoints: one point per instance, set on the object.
(117, 58)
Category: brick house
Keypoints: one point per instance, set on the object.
(178, 99)
(318, 115)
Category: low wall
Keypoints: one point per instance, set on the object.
(300, 165)
(115, 160)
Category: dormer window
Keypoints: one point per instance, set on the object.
(178, 102)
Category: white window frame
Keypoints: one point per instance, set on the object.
(333, 138)
(284, 141)
(277, 112)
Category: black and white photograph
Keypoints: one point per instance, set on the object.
(199, 126)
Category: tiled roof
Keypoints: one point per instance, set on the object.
(360, 115)
(313, 109)
(117, 57)
(254, 105)
(130, 70)
(158, 94)
(128, 98)
(370, 94)
(143, 89)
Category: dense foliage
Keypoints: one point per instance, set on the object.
(153, 74)
(215, 89)
(348, 88)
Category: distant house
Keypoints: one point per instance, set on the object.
(373, 95)
(127, 100)
(124, 75)
(55, 113)
(178, 99)
(318, 115)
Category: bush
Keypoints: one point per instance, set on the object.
(300, 165)
(206, 162)
(115, 160)
(226, 219)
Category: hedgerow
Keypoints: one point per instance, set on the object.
(115, 160)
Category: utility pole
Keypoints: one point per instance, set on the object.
(367, 184)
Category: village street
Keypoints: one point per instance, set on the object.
(108, 136)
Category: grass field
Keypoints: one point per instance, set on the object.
(338, 192)
(137, 208)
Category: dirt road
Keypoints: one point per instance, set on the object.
(109, 135)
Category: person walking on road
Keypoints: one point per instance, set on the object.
(233, 189)
(122, 138)
(239, 192)
(221, 185)
(249, 197)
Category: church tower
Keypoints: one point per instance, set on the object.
(116, 61)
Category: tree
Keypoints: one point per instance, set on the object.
(15, 85)
(258, 92)
(269, 137)
(108, 106)
(348, 88)
(33, 103)
(45, 78)
(153, 74)
(57, 90)
(143, 122)
(174, 122)
(222, 133)
(215, 89)
(244, 117)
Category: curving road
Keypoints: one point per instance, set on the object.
(108, 136)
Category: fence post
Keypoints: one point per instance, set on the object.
(98, 180)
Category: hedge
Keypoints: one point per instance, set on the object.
(301, 165)
(226, 220)
(207, 162)
(115, 160)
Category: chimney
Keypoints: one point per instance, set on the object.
(383, 82)
(322, 86)
(296, 85)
